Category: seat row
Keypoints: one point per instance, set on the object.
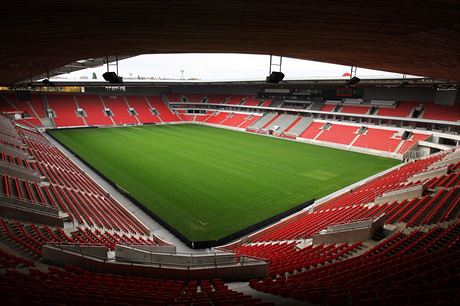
(406, 269)
(442, 205)
(286, 257)
(74, 286)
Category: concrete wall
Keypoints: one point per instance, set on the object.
(428, 174)
(21, 211)
(345, 236)
(227, 273)
(97, 251)
(446, 162)
(20, 172)
(129, 253)
(350, 232)
(406, 193)
(157, 248)
(15, 152)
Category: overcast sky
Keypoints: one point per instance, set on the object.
(222, 67)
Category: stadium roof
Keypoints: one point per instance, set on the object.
(413, 37)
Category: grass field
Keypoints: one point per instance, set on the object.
(209, 182)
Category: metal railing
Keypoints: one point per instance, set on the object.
(31, 205)
(82, 252)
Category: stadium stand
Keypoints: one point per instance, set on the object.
(22, 106)
(250, 120)
(174, 97)
(142, 108)
(441, 112)
(108, 111)
(218, 118)
(7, 106)
(403, 109)
(312, 130)
(94, 109)
(281, 123)
(164, 113)
(266, 103)
(203, 117)
(73, 285)
(390, 239)
(328, 108)
(65, 108)
(38, 105)
(386, 274)
(70, 190)
(235, 100)
(284, 257)
(119, 109)
(409, 143)
(355, 109)
(184, 116)
(265, 120)
(194, 98)
(293, 124)
(351, 206)
(339, 134)
(251, 101)
(299, 126)
(269, 123)
(234, 120)
(378, 140)
(216, 99)
(358, 272)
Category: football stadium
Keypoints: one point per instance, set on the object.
(124, 185)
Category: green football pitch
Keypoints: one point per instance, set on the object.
(208, 182)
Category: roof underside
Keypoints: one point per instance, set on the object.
(415, 37)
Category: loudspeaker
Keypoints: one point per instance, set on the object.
(47, 82)
(353, 81)
(112, 77)
(275, 77)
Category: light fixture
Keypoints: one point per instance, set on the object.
(112, 77)
(275, 77)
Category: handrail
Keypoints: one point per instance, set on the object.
(357, 220)
(19, 168)
(239, 260)
(173, 253)
(310, 111)
(34, 203)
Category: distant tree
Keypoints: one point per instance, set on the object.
(94, 76)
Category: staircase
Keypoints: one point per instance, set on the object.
(354, 140)
(103, 104)
(78, 106)
(33, 110)
(380, 234)
(165, 99)
(292, 124)
(270, 122)
(47, 122)
(129, 106)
